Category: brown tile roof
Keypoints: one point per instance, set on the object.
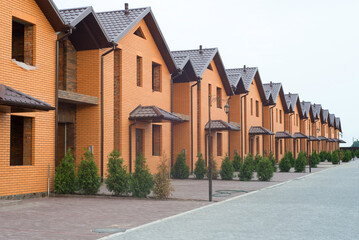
(257, 130)
(322, 138)
(313, 139)
(153, 113)
(283, 134)
(14, 98)
(341, 141)
(300, 135)
(220, 125)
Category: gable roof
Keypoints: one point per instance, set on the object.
(201, 59)
(331, 120)
(51, 12)
(292, 100)
(325, 114)
(187, 73)
(307, 110)
(276, 89)
(316, 110)
(338, 124)
(117, 24)
(88, 33)
(235, 80)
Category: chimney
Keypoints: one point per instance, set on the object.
(244, 68)
(200, 49)
(289, 94)
(126, 9)
(271, 84)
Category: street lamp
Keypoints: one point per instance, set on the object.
(226, 110)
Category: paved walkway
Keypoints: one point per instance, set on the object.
(324, 205)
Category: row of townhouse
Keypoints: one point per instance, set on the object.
(76, 79)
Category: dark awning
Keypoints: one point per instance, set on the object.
(259, 131)
(341, 141)
(322, 138)
(153, 113)
(220, 125)
(299, 135)
(283, 134)
(334, 140)
(20, 102)
(313, 139)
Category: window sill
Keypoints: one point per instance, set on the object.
(24, 65)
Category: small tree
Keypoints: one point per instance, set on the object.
(329, 156)
(314, 159)
(284, 164)
(246, 173)
(227, 169)
(300, 162)
(118, 179)
(257, 158)
(180, 170)
(323, 155)
(214, 169)
(65, 178)
(347, 156)
(357, 153)
(273, 161)
(237, 162)
(264, 170)
(142, 180)
(335, 157)
(162, 188)
(290, 157)
(200, 169)
(88, 178)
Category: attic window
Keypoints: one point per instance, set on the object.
(140, 33)
(210, 67)
(22, 41)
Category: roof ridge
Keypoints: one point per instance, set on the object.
(66, 9)
(130, 9)
(240, 68)
(215, 48)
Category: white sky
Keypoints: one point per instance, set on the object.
(311, 46)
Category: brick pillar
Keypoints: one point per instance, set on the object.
(116, 117)
(28, 44)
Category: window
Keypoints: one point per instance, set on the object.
(210, 90)
(257, 109)
(219, 144)
(276, 115)
(251, 106)
(257, 145)
(280, 116)
(219, 98)
(139, 71)
(156, 140)
(210, 67)
(281, 146)
(297, 119)
(22, 41)
(21, 136)
(139, 141)
(156, 77)
(139, 33)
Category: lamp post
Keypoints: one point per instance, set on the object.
(226, 110)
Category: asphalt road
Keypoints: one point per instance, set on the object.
(324, 205)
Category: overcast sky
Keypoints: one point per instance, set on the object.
(310, 46)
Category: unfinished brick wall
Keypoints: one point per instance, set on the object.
(67, 66)
(29, 44)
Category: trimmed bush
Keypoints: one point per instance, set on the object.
(118, 179)
(314, 159)
(323, 156)
(200, 169)
(329, 157)
(162, 188)
(357, 153)
(65, 178)
(246, 173)
(88, 178)
(257, 158)
(335, 157)
(264, 170)
(180, 170)
(142, 180)
(214, 169)
(227, 169)
(237, 162)
(273, 161)
(300, 162)
(290, 157)
(347, 156)
(284, 164)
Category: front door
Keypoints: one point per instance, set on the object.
(66, 140)
(139, 141)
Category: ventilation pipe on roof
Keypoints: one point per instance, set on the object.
(289, 94)
(126, 9)
(271, 84)
(200, 49)
(244, 68)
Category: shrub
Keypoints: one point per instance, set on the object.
(200, 169)
(335, 157)
(237, 162)
(162, 183)
(227, 169)
(329, 157)
(142, 180)
(118, 179)
(264, 170)
(314, 159)
(246, 173)
(347, 156)
(300, 162)
(180, 170)
(257, 158)
(65, 178)
(284, 164)
(214, 169)
(357, 153)
(323, 156)
(88, 178)
(273, 161)
(290, 157)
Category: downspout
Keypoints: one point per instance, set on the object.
(59, 38)
(270, 126)
(242, 125)
(192, 86)
(229, 132)
(102, 105)
(130, 145)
